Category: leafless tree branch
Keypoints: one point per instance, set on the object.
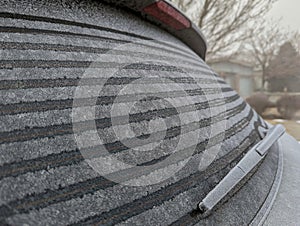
(225, 23)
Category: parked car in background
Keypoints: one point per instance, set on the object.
(260, 102)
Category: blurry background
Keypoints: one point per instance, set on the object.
(255, 46)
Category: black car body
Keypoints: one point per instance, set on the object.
(110, 116)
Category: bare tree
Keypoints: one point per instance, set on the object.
(226, 24)
(264, 44)
(283, 70)
(295, 40)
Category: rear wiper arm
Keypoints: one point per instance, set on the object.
(241, 170)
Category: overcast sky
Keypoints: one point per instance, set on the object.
(289, 11)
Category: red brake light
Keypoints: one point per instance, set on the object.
(168, 15)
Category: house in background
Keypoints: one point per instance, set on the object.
(240, 75)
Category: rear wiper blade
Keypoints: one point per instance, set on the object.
(241, 170)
